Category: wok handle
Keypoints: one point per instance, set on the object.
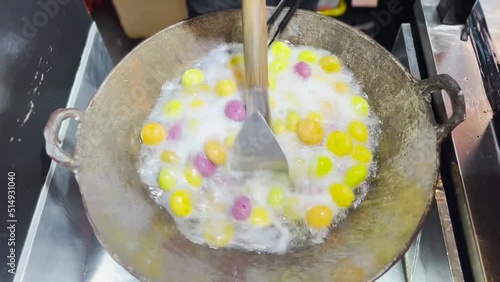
(52, 141)
(456, 95)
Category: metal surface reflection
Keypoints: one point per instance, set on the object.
(472, 158)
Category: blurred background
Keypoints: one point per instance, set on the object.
(125, 23)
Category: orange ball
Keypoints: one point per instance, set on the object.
(310, 132)
(153, 134)
(216, 152)
(319, 217)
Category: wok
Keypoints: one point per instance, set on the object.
(143, 238)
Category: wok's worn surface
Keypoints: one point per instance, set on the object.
(143, 238)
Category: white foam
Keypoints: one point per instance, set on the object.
(303, 96)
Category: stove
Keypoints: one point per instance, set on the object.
(460, 241)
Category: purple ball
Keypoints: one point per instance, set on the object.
(175, 132)
(204, 166)
(303, 70)
(235, 110)
(241, 208)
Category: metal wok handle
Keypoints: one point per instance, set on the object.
(51, 134)
(448, 84)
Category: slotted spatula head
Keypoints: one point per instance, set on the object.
(256, 146)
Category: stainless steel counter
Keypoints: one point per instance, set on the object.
(61, 246)
(472, 154)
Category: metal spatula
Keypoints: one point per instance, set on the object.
(256, 146)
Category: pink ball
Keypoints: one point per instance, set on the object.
(235, 110)
(175, 132)
(204, 166)
(241, 208)
(303, 70)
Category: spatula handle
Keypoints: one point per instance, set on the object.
(255, 43)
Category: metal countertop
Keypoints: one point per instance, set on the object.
(471, 157)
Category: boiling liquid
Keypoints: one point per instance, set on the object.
(213, 201)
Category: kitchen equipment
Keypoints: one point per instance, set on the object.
(295, 4)
(256, 146)
(462, 38)
(143, 238)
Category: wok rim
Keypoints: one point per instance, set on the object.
(431, 199)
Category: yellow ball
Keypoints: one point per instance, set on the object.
(292, 119)
(216, 152)
(330, 64)
(193, 177)
(290, 210)
(310, 132)
(272, 84)
(308, 56)
(341, 87)
(358, 131)
(339, 143)
(317, 117)
(197, 103)
(278, 126)
(360, 105)
(166, 179)
(278, 66)
(319, 217)
(323, 166)
(237, 60)
(169, 157)
(361, 154)
(342, 195)
(192, 77)
(226, 87)
(229, 140)
(260, 217)
(276, 197)
(181, 203)
(238, 75)
(280, 50)
(355, 175)
(173, 107)
(218, 233)
(153, 134)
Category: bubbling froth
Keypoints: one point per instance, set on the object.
(314, 101)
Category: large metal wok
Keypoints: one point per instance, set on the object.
(143, 238)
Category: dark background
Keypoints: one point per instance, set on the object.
(53, 48)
